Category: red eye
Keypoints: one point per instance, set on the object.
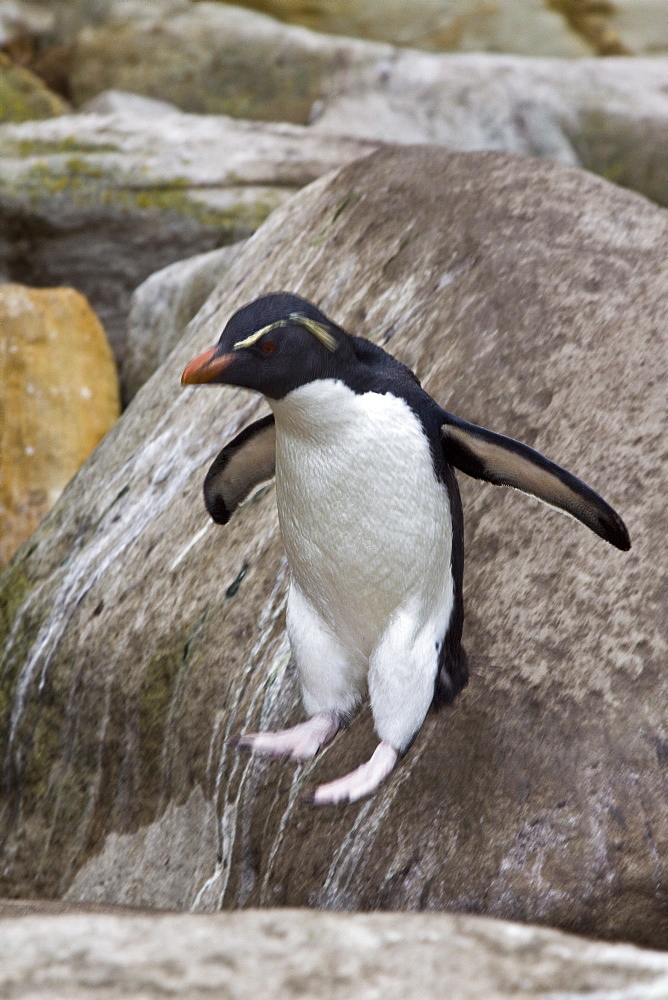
(268, 347)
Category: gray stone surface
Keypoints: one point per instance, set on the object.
(608, 115)
(283, 954)
(139, 637)
(530, 27)
(115, 102)
(100, 202)
(212, 58)
(161, 308)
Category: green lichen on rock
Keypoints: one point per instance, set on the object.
(24, 97)
(153, 704)
(44, 147)
(95, 183)
(264, 76)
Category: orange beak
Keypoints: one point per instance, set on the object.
(206, 367)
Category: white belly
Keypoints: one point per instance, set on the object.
(365, 521)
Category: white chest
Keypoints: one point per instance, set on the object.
(365, 521)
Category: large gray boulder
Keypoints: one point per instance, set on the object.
(54, 950)
(139, 637)
(559, 28)
(212, 58)
(101, 201)
(531, 27)
(609, 115)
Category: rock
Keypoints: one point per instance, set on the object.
(610, 116)
(623, 26)
(163, 306)
(530, 298)
(537, 27)
(23, 96)
(119, 102)
(58, 398)
(212, 59)
(19, 21)
(102, 201)
(294, 953)
(70, 16)
(529, 27)
(561, 28)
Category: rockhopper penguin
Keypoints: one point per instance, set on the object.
(371, 519)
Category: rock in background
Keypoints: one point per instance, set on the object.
(530, 27)
(563, 28)
(212, 59)
(140, 637)
(58, 398)
(163, 306)
(23, 96)
(103, 201)
(610, 116)
(293, 954)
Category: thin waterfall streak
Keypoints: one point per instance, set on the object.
(108, 547)
(267, 650)
(230, 812)
(353, 848)
(297, 781)
(127, 527)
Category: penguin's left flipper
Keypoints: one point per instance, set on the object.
(503, 461)
(246, 462)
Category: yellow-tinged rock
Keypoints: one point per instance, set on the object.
(58, 397)
(24, 96)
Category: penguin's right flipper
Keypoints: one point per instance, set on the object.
(246, 462)
(505, 462)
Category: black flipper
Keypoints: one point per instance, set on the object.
(505, 462)
(248, 460)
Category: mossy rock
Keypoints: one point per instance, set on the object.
(24, 97)
(101, 202)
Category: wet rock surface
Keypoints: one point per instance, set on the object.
(100, 202)
(293, 953)
(58, 398)
(139, 637)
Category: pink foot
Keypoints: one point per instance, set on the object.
(360, 782)
(302, 742)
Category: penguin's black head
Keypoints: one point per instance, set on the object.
(273, 345)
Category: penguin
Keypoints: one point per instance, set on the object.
(371, 519)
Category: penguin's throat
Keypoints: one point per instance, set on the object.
(318, 411)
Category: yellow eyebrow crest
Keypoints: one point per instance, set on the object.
(317, 329)
(254, 337)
